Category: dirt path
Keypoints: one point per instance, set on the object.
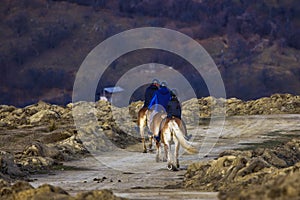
(147, 185)
(136, 175)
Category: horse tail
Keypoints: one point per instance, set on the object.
(189, 146)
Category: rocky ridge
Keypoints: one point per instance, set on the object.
(275, 104)
(43, 113)
(213, 107)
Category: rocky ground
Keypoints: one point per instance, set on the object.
(40, 138)
(37, 139)
(23, 190)
(261, 173)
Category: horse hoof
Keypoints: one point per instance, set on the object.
(145, 151)
(172, 167)
(175, 168)
(151, 150)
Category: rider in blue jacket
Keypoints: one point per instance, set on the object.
(161, 98)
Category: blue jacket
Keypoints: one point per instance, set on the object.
(161, 97)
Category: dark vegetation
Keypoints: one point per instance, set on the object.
(255, 44)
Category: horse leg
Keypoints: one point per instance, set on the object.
(157, 137)
(165, 158)
(150, 144)
(176, 152)
(169, 159)
(142, 124)
(157, 151)
(165, 136)
(167, 142)
(142, 132)
(166, 148)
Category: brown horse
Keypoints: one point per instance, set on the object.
(142, 120)
(148, 118)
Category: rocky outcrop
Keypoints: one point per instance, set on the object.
(110, 117)
(208, 106)
(257, 173)
(23, 190)
(275, 104)
(40, 113)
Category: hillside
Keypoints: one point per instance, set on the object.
(255, 44)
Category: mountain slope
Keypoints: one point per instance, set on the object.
(43, 43)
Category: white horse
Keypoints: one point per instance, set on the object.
(172, 130)
(165, 131)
